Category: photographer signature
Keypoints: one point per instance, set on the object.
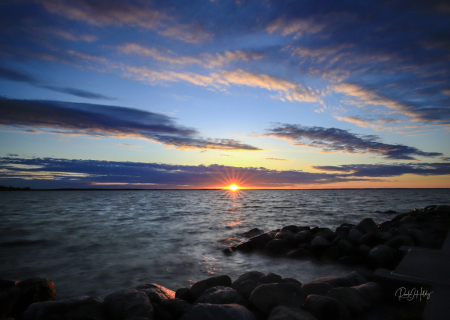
(402, 293)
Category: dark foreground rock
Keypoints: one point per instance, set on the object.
(218, 312)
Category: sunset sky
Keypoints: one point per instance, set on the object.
(186, 94)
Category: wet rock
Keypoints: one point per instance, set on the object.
(218, 312)
(161, 313)
(385, 226)
(256, 242)
(364, 250)
(183, 294)
(284, 234)
(87, 312)
(317, 288)
(383, 257)
(299, 253)
(351, 260)
(408, 220)
(399, 241)
(266, 297)
(251, 282)
(384, 236)
(326, 233)
(253, 232)
(128, 303)
(291, 228)
(345, 228)
(355, 279)
(277, 247)
(5, 284)
(8, 298)
(303, 236)
(372, 290)
(442, 209)
(347, 247)
(355, 301)
(369, 239)
(156, 292)
(43, 310)
(198, 288)
(338, 238)
(31, 291)
(332, 253)
(176, 307)
(251, 275)
(221, 295)
(326, 308)
(319, 245)
(366, 225)
(286, 313)
(354, 235)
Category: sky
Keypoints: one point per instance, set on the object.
(208, 93)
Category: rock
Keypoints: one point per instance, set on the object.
(317, 288)
(332, 253)
(364, 250)
(253, 232)
(128, 303)
(5, 284)
(8, 298)
(183, 294)
(354, 235)
(255, 243)
(198, 288)
(156, 292)
(355, 279)
(286, 313)
(299, 253)
(442, 209)
(270, 278)
(339, 237)
(43, 310)
(384, 236)
(367, 225)
(372, 290)
(408, 220)
(333, 281)
(245, 288)
(347, 247)
(326, 233)
(161, 313)
(277, 247)
(319, 245)
(303, 236)
(369, 239)
(326, 308)
(291, 228)
(176, 307)
(266, 297)
(385, 226)
(87, 312)
(399, 241)
(351, 260)
(284, 234)
(218, 312)
(251, 275)
(355, 301)
(345, 228)
(383, 257)
(221, 295)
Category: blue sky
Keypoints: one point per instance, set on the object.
(177, 94)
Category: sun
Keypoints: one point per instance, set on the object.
(233, 187)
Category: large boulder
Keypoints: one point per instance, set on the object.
(319, 245)
(278, 247)
(399, 241)
(292, 228)
(92, 311)
(303, 236)
(44, 310)
(198, 288)
(326, 308)
(252, 233)
(156, 292)
(317, 288)
(255, 243)
(128, 303)
(367, 225)
(284, 234)
(251, 282)
(383, 257)
(332, 253)
(176, 307)
(326, 234)
(299, 253)
(354, 235)
(218, 312)
(221, 295)
(269, 296)
(355, 301)
(372, 290)
(251, 275)
(286, 313)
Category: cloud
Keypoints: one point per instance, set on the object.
(389, 170)
(276, 159)
(59, 173)
(128, 145)
(21, 76)
(106, 121)
(121, 13)
(377, 124)
(339, 140)
(298, 27)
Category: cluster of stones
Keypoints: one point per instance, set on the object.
(374, 245)
(253, 296)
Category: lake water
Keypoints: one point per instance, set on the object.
(95, 242)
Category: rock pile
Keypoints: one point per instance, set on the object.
(253, 296)
(375, 245)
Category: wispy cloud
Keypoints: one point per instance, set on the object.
(377, 124)
(339, 140)
(107, 121)
(276, 159)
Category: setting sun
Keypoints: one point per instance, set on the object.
(233, 187)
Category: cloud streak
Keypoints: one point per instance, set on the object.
(339, 140)
(107, 121)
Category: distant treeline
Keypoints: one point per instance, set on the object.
(3, 188)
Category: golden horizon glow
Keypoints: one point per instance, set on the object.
(234, 187)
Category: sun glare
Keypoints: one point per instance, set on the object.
(233, 187)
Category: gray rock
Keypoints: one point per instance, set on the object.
(198, 288)
(355, 301)
(251, 275)
(299, 253)
(176, 307)
(253, 232)
(326, 233)
(87, 312)
(317, 288)
(364, 250)
(128, 303)
(355, 279)
(221, 295)
(303, 236)
(367, 225)
(384, 236)
(218, 312)
(408, 220)
(338, 238)
(266, 297)
(294, 229)
(326, 308)
(319, 245)
(255, 243)
(278, 247)
(245, 288)
(369, 239)
(183, 294)
(42, 310)
(332, 253)
(284, 234)
(372, 290)
(347, 247)
(156, 292)
(354, 235)
(351, 260)
(382, 256)
(161, 313)
(399, 241)
(286, 313)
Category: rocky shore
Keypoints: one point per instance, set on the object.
(258, 296)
